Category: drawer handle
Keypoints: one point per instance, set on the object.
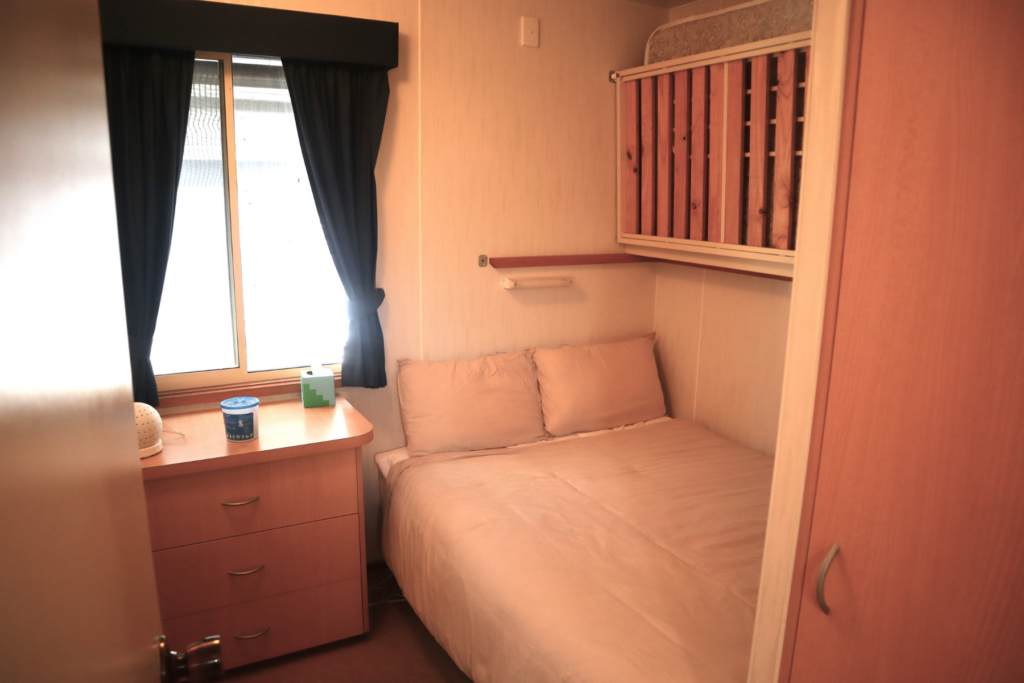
(244, 502)
(255, 635)
(251, 571)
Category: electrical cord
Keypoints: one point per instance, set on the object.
(392, 598)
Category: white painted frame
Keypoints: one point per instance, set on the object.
(826, 83)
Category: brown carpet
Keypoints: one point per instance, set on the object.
(398, 648)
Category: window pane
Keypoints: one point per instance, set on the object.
(295, 305)
(195, 329)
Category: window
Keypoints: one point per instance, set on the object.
(251, 290)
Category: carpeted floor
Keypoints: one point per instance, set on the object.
(397, 649)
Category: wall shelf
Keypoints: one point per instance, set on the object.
(752, 261)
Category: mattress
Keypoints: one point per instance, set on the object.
(628, 556)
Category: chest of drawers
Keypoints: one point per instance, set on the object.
(261, 542)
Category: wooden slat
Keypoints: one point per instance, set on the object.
(785, 122)
(665, 143)
(735, 125)
(698, 153)
(716, 116)
(648, 157)
(681, 179)
(630, 158)
(757, 178)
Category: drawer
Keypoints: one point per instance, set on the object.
(195, 578)
(190, 508)
(288, 623)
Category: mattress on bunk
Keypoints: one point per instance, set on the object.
(629, 556)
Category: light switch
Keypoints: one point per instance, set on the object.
(529, 31)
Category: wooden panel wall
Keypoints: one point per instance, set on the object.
(719, 152)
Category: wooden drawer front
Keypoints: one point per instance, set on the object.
(195, 577)
(188, 508)
(296, 621)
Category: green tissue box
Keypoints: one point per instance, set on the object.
(317, 387)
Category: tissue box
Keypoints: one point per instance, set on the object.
(317, 388)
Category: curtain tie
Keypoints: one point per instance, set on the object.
(365, 305)
(139, 347)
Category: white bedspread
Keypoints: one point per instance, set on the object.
(628, 556)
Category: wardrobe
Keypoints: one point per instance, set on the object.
(910, 560)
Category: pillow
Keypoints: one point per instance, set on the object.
(599, 386)
(468, 405)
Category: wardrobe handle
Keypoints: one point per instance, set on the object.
(251, 571)
(822, 574)
(255, 635)
(244, 502)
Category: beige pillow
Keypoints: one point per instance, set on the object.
(585, 388)
(468, 405)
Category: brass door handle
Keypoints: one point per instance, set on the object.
(244, 502)
(199, 663)
(822, 574)
(251, 571)
(255, 635)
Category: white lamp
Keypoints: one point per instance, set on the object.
(148, 427)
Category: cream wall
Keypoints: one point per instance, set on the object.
(721, 348)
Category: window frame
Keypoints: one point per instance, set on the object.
(189, 382)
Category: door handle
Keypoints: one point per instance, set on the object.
(199, 663)
(822, 574)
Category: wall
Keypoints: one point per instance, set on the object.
(491, 148)
(721, 349)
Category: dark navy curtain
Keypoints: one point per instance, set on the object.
(339, 112)
(148, 97)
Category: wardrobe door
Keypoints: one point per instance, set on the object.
(921, 474)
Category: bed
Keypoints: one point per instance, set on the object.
(625, 555)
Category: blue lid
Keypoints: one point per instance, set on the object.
(239, 403)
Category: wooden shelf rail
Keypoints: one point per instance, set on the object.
(504, 262)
